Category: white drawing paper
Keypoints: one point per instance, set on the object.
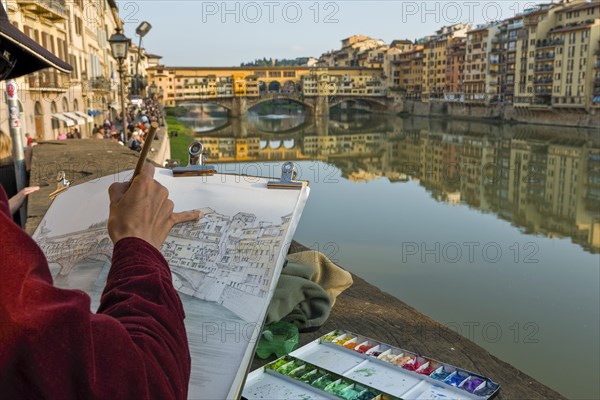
(224, 267)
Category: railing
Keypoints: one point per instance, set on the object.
(516, 25)
(546, 56)
(549, 42)
(47, 80)
(545, 68)
(99, 84)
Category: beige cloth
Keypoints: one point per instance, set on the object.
(333, 279)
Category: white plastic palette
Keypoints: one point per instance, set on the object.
(359, 368)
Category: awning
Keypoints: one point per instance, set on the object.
(67, 121)
(78, 120)
(85, 116)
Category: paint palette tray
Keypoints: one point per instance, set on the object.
(345, 365)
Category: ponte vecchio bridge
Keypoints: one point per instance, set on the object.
(240, 88)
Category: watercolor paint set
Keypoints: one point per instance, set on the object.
(344, 365)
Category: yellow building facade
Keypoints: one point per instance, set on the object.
(52, 102)
(189, 84)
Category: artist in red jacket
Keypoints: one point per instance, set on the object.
(134, 347)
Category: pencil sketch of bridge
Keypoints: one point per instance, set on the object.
(229, 260)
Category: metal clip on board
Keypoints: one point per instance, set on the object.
(195, 166)
(62, 184)
(288, 180)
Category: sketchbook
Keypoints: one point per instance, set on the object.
(225, 266)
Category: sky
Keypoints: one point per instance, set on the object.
(218, 33)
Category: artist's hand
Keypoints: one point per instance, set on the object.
(142, 209)
(15, 202)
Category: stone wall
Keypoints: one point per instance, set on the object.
(550, 116)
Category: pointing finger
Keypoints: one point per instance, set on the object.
(187, 216)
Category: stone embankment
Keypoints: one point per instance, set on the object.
(572, 117)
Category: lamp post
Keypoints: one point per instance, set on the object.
(119, 45)
(152, 90)
(141, 30)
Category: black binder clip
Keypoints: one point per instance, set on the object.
(195, 165)
(288, 178)
(62, 184)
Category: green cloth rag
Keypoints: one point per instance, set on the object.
(307, 290)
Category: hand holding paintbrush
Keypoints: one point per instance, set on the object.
(141, 208)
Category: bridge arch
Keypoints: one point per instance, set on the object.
(225, 104)
(274, 86)
(266, 98)
(378, 104)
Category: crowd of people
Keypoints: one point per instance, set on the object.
(139, 119)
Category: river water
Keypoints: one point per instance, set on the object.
(492, 230)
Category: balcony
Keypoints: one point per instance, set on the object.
(47, 81)
(549, 43)
(544, 68)
(516, 25)
(99, 84)
(53, 10)
(544, 57)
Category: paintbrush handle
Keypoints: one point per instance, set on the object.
(146, 149)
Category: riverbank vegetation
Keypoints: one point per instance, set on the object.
(180, 137)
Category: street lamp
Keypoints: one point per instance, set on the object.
(141, 30)
(119, 45)
(152, 90)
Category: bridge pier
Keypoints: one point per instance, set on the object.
(321, 125)
(321, 106)
(239, 107)
(239, 126)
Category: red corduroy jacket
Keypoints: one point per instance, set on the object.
(53, 347)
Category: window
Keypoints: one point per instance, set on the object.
(73, 62)
(78, 26)
(585, 35)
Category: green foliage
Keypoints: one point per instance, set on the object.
(268, 62)
(179, 143)
(175, 111)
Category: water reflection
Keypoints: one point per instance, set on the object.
(545, 180)
(205, 117)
